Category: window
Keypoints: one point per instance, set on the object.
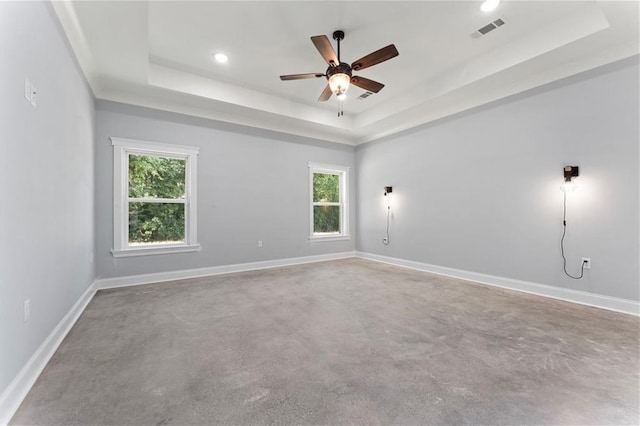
(154, 198)
(329, 207)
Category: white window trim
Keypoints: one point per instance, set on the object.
(122, 149)
(343, 172)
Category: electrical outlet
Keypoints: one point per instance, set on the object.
(27, 310)
(586, 262)
(259, 243)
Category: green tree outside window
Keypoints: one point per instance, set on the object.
(326, 203)
(156, 199)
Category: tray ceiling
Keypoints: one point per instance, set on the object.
(159, 54)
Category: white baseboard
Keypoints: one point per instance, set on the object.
(580, 297)
(105, 283)
(18, 389)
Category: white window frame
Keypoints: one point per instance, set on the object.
(343, 173)
(122, 148)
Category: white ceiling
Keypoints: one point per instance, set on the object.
(160, 54)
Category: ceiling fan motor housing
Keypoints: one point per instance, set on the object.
(343, 68)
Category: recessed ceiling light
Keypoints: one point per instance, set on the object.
(489, 5)
(221, 58)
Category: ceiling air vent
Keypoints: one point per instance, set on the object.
(365, 95)
(488, 28)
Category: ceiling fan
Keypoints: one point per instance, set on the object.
(339, 73)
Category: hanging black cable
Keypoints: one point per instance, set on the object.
(564, 233)
(387, 194)
(385, 241)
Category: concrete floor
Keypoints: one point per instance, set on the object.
(339, 342)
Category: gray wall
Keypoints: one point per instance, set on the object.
(252, 185)
(46, 182)
(480, 191)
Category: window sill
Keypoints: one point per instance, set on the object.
(321, 239)
(149, 251)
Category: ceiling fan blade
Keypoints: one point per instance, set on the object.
(323, 45)
(366, 84)
(376, 57)
(326, 94)
(300, 76)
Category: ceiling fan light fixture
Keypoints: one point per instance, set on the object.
(339, 83)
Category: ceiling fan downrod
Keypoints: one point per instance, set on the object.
(338, 35)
